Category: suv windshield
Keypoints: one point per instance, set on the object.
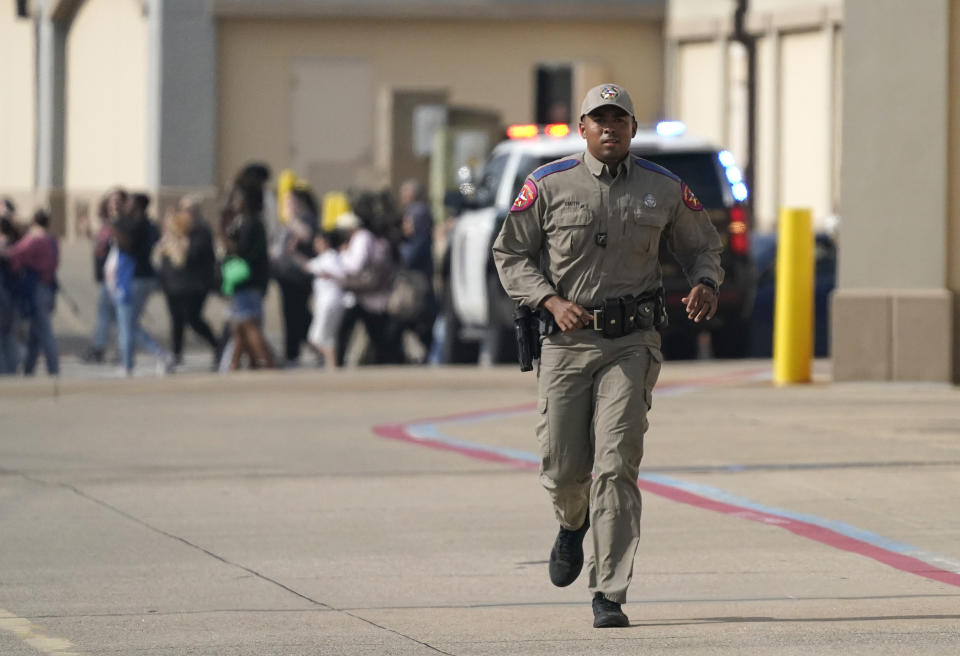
(486, 193)
(699, 170)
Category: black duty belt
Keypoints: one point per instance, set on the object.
(619, 316)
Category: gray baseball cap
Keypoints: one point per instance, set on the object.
(607, 94)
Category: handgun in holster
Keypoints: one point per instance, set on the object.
(527, 330)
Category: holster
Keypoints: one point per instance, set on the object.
(526, 326)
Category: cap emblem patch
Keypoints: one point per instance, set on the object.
(609, 93)
(525, 198)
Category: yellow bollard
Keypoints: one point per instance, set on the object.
(793, 309)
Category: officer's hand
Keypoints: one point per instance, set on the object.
(567, 314)
(702, 303)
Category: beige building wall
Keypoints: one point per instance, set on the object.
(486, 64)
(699, 10)
(106, 99)
(701, 84)
(17, 108)
(797, 133)
(805, 124)
(895, 314)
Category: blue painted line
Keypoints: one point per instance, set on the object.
(432, 431)
(716, 494)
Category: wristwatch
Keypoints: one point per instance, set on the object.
(711, 283)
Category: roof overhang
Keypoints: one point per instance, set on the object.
(444, 9)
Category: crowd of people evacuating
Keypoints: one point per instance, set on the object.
(373, 266)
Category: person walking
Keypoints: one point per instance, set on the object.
(327, 296)
(10, 233)
(247, 268)
(416, 260)
(133, 280)
(295, 239)
(36, 257)
(367, 268)
(109, 211)
(580, 245)
(187, 271)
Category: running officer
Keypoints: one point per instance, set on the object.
(581, 245)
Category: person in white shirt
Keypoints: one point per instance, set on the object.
(328, 296)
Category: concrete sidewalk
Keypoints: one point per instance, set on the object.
(394, 511)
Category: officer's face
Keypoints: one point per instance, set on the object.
(608, 131)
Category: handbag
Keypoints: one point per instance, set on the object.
(234, 271)
(408, 295)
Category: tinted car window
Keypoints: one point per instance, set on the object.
(699, 171)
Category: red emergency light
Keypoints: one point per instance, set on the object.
(523, 131)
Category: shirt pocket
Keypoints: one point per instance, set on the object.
(643, 227)
(574, 227)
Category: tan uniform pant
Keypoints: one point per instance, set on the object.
(594, 394)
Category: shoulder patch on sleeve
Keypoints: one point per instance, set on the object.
(689, 199)
(525, 198)
(656, 168)
(553, 167)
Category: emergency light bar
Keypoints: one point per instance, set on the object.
(531, 130)
(671, 128)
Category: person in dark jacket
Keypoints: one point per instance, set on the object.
(294, 242)
(10, 233)
(245, 238)
(187, 273)
(135, 237)
(416, 256)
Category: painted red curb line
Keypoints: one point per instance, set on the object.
(809, 531)
(399, 431)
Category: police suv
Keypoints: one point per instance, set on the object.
(478, 313)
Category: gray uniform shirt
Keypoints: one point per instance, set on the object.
(549, 243)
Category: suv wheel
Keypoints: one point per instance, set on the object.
(679, 344)
(499, 341)
(455, 350)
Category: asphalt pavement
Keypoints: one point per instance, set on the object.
(397, 511)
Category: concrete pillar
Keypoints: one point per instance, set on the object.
(953, 169)
(893, 312)
(50, 75)
(182, 97)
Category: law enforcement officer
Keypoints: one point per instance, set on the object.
(581, 245)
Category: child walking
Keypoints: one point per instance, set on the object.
(327, 296)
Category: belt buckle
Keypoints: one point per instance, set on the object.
(597, 321)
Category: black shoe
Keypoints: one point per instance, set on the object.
(93, 356)
(566, 557)
(607, 614)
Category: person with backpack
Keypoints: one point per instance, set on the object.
(368, 268)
